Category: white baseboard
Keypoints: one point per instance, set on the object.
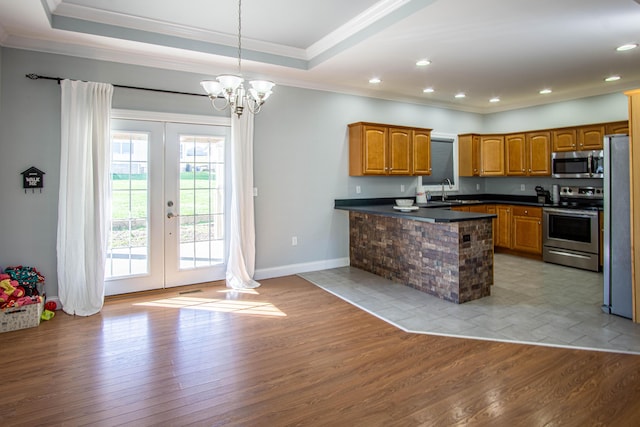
(268, 273)
(287, 270)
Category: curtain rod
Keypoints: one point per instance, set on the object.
(58, 79)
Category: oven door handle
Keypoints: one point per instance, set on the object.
(571, 212)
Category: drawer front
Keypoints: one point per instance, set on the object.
(530, 211)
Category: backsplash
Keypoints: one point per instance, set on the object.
(513, 185)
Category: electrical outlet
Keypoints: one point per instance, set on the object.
(255, 191)
(521, 187)
(294, 241)
(478, 187)
(402, 188)
(358, 189)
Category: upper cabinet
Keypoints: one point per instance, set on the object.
(617, 127)
(469, 155)
(591, 137)
(421, 152)
(528, 154)
(400, 149)
(480, 155)
(564, 139)
(377, 149)
(516, 154)
(539, 153)
(491, 155)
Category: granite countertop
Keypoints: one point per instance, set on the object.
(424, 214)
(438, 211)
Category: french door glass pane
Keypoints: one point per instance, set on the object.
(201, 198)
(128, 250)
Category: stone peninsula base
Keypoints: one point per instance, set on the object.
(451, 260)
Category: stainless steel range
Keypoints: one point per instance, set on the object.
(570, 230)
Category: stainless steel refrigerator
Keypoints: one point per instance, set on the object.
(617, 229)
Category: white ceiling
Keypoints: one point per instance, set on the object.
(486, 48)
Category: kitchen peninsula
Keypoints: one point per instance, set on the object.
(445, 253)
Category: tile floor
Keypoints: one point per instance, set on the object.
(531, 302)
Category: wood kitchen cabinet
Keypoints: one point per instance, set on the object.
(481, 155)
(526, 230)
(377, 149)
(368, 149)
(503, 227)
(491, 155)
(528, 154)
(617, 127)
(516, 154)
(564, 139)
(469, 155)
(421, 152)
(491, 209)
(400, 145)
(590, 137)
(538, 153)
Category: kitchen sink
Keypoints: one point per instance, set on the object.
(465, 202)
(449, 203)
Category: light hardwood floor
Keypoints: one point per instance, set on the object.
(293, 354)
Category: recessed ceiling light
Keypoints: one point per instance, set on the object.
(375, 80)
(496, 99)
(423, 63)
(428, 90)
(628, 46)
(545, 91)
(460, 95)
(612, 78)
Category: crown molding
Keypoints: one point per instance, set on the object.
(164, 28)
(354, 26)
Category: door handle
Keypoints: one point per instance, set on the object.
(171, 215)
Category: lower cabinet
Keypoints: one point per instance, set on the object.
(503, 227)
(526, 230)
(491, 209)
(517, 228)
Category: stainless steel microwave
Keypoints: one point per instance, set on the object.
(577, 164)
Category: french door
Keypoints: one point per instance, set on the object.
(168, 225)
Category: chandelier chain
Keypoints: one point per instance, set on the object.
(240, 36)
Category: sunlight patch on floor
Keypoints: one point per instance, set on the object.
(219, 305)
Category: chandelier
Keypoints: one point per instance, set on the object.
(227, 90)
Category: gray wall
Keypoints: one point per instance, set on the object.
(595, 109)
(301, 155)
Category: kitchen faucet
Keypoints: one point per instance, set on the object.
(444, 193)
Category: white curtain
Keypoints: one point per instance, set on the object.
(242, 250)
(83, 202)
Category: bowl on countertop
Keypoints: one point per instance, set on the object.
(404, 203)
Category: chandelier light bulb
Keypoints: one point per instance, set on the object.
(228, 91)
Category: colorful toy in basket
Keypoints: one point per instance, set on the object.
(19, 286)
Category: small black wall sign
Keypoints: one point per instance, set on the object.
(32, 178)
